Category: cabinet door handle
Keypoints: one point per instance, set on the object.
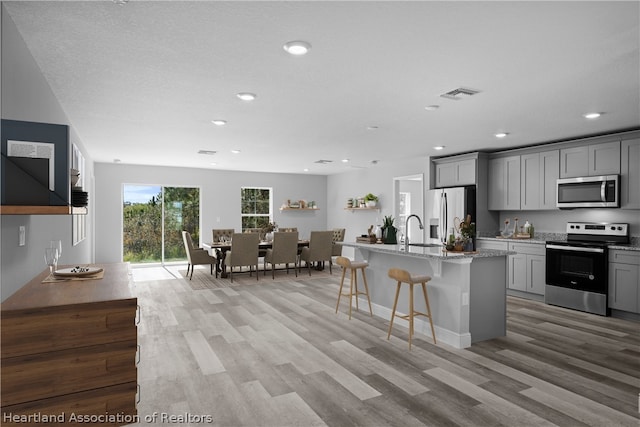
(138, 394)
(138, 355)
(138, 314)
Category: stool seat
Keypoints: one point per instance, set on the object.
(403, 276)
(353, 266)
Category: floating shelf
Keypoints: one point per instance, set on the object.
(299, 209)
(376, 208)
(41, 210)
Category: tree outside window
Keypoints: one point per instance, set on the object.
(256, 207)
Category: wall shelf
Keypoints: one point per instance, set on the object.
(299, 209)
(42, 210)
(376, 208)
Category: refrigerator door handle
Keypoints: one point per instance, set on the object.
(446, 219)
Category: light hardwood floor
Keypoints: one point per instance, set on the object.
(277, 354)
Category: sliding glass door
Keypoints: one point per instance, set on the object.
(153, 220)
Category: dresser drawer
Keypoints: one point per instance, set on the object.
(35, 331)
(32, 377)
(117, 402)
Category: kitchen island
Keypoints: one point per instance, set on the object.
(467, 291)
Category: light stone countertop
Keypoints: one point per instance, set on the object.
(541, 240)
(431, 253)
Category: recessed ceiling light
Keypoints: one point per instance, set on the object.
(501, 134)
(306, 169)
(297, 48)
(235, 151)
(591, 116)
(439, 147)
(219, 122)
(213, 164)
(345, 160)
(431, 107)
(246, 96)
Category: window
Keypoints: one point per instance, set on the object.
(153, 219)
(256, 207)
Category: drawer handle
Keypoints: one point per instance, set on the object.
(138, 314)
(138, 394)
(138, 355)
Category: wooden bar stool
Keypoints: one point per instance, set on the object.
(353, 266)
(403, 276)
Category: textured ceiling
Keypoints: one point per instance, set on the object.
(141, 82)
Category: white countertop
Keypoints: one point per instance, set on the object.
(422, 252)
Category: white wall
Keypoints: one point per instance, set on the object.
(219, 195)
(378, 180)
(27, 96)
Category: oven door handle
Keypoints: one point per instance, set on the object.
(576, 249)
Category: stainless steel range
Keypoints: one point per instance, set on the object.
(577, 269)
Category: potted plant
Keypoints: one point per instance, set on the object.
(389, 231)
(371, 200)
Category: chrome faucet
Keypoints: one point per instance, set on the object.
(406, 229)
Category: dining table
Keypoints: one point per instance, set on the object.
(220, 249)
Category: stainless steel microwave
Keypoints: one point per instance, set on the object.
(589, 192)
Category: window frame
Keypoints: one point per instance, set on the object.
(243, 215)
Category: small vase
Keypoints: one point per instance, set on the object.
(389, 235)
(371, 203)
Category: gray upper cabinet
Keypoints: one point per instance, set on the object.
(630, 174)
(590, 160)
(538, 175)
(504, 183)
(455, 173)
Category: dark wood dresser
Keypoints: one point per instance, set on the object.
(69, 351)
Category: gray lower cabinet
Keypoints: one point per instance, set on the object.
(624, 280)
(526, 269)
(630, 174)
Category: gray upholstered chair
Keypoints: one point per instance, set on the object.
(196, 256)
(338, 236)
(227, 233)
(244, 252)
(284, 251)
(319, 249)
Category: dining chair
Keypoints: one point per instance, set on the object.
(196, 256)
(244, 252)
(283, 251)
(319, 249)
(227, 233)
(338, 236)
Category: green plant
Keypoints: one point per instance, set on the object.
(370, 198)
(388, 221)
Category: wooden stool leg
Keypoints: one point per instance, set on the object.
(350, 293)
(426, 300)
(366, 288)
(344, 270)
(410, 313)
(354, 274)
(393, 311)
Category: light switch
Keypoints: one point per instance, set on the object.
(23, 233)
(465, 298)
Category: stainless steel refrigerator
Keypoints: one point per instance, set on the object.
(443, 206)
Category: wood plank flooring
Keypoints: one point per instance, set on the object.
(277, 354)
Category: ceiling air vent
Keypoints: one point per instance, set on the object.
(323, 162)
(460, 93)
(208, 152)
